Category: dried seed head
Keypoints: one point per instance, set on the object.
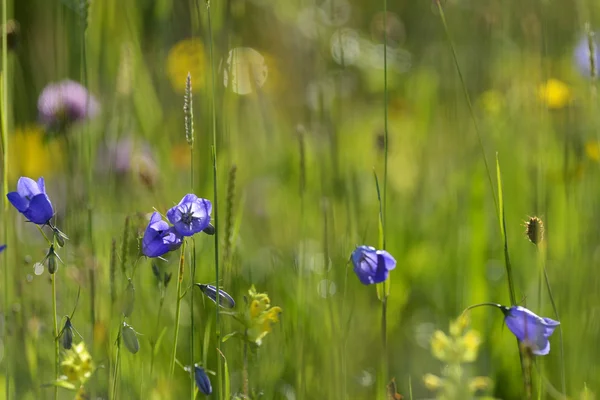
(534, 229)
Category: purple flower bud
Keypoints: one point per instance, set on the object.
(371, 265)
(202, 380)
(225, 300)
(191, 215)
(2, 247)
(159, 238)
(530, 328)
(31, 200)
(66, 102)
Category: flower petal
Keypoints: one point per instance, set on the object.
(27, 187)
(19, 202)
(40, 209)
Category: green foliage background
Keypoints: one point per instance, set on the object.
(304, 191)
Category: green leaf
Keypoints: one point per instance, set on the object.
(159, 340)
(64, 384)
(229, 336)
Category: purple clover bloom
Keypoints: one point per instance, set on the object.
(582, 56)
(159, 238)
(191, 215)
(63, 103)
(372, 265)
(202, 380)
(530, 328)
(31, 200)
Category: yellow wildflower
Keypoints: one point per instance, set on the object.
(554, 94)
(479, 383)
(77, 365)
(458, 326)
(470, 345)
(433, 382)
(440, 345)
(186, 56)
(260, 316)
(30, 154)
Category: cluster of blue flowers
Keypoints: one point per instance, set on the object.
(190, 216)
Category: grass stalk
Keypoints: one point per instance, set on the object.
(177, 309)
(468, 100)
(188, 112)
(116, 373)
(215, 195)
(4, 132)
(56, 341)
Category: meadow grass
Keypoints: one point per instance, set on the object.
(313, 127)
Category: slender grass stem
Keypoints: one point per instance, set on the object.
(192, 355)
(215, 194)
(468, 99)
(156, 331)
(56, 341)
(177, 309)
(117, 361)
(563, 380)
(385, 119)
(4, 132)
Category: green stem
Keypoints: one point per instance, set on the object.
(156, 331)
(56, 341)
(4, 132)
(385, 113)
(177, 309)
(468, 99)
(215, 194)
(117, 361)
(560, 334)
(192, 280)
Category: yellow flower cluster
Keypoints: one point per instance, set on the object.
(260, 316)
(78, 366)
(461, 346)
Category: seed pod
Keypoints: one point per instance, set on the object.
(129, 301)
(156, 271)
(225, 300)
(59, 236)
(202, 380)
(534, 229)
(67, 335)
(52, 264)
(210, 229)
(167, 278)
(130, 338)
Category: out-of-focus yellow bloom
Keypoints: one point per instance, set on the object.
(433, 382)
(78, 365)
(260, 316)
(458, 326)
(440, 345)
(492, 101)
(186, 56)
(470, 346)
(479, 383)
(592, 150)
(554, 94)
(30, 154)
